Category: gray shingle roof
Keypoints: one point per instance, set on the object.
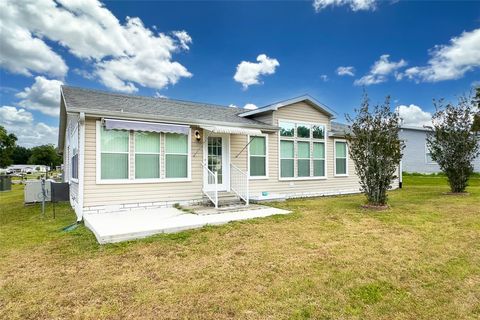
(95, 102)
(339, 129)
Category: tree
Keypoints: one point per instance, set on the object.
(21, 155)
(7, 144)
(452, 143)
(375, 148)
(46, 155)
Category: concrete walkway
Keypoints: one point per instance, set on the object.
(135, 224)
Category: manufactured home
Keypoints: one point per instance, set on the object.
(123, 151)
(416, 155)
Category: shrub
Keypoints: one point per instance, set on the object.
(452, 143)
(375, 148)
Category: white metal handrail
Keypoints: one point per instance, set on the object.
(212, 178)
(239, 183)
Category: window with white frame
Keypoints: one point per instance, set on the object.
(302, 150)
(74, 154)
(287, 158)
(114, 145)
(147, 155)
(340, 158)
(258, 156)
(318, 159)
(176, 155)
(303, 158)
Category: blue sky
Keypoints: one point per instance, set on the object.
(303, 50)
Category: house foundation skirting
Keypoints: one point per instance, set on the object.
(126, 207)
(320, 194)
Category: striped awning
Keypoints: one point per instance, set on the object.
(116, 124)
(232, 130)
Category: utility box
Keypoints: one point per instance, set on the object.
(33, 191)
(5, 183)
(60, 191)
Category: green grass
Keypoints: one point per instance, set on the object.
(330, 259)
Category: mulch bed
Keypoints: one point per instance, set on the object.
(374, 207)
(456, 194)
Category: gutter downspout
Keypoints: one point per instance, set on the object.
(81, 166)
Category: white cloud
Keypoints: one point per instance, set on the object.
(43, 96)
(380, 71)
(231, 105)
(413, 115)
(449, 62)
(250, 106)
(122, 55)
(11, 115)
(248, 73)
(355, 5)
(21, 123)
(184, 38)
(324, 77)
(22, 53)
(346, 71)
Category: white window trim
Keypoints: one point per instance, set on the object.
(189, 160)
(266, 157)
(310, 156)
(426, 158)
(135, 159)
(311, 140)
(335, 158)
(75, 129)
(317, 159)
(132, 180)
(98, 159)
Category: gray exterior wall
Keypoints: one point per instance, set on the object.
(414, 155)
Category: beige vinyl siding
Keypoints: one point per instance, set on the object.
(266, 117)
(238, 157)
(111, 194)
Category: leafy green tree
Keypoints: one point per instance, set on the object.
(7, 144)
(452, 143)
(46, 155)
(375, 148)
(21, 155)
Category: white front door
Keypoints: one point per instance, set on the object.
(217, 157)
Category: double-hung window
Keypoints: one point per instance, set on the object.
(258, 156)
(147, 155)
(176, 155)
(341, 158)
(302, 150)
(303, 158)
(287, 158)
(114, 154)
(74, 154)
(318, 159)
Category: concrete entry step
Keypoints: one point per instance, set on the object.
(225, 199)
(208, 210)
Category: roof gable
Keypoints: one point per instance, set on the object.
(305, 98)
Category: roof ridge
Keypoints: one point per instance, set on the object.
(118, 94)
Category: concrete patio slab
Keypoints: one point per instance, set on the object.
(122, 226)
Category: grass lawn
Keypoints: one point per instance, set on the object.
(328, 260)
